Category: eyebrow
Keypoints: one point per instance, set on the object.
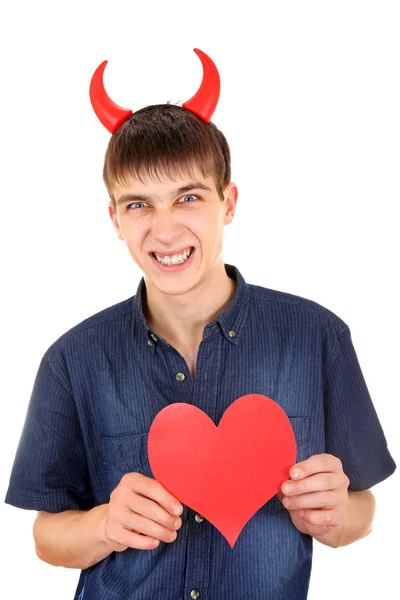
(129, 197)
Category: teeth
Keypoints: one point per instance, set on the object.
(176, 259)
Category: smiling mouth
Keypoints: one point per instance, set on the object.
(174, 259)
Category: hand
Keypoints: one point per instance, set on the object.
(316, 495)
(140, 514)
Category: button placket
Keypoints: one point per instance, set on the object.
(199, 542)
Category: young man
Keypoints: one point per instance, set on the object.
(194, 332)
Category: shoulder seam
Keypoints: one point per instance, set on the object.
(78, 328)
(91, 326)
(56, 376)
(339, 335)
(69, 334)
(302, 303)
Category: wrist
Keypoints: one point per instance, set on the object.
(101, 518)
(101, 531)
(358, 521)
(333, 538)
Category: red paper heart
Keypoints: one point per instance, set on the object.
(225, 473)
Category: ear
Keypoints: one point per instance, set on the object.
(231, 194)
(114, 219)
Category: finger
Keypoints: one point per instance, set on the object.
(313, 500)
(153, 511)
(133, 539)
(317, 463)
(150, 488)
(313, 483)
(327, 518)
(149, 528)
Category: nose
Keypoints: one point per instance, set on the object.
(165, 227)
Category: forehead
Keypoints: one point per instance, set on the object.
(162, 183)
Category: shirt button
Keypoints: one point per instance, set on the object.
(198, 518)
(231, 333)
(195, 594)
(149, 343)
(181, 377)
(153, 337)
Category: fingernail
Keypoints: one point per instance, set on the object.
(177, 523)
(177, 510)
(296, 473)
(288, 488)
(156, 542)
(287, 502)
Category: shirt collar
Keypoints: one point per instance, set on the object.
(230, 321)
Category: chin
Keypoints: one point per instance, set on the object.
(174, 289)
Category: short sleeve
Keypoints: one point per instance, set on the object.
(353, 432)
(50, 471)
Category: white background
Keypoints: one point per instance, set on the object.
(309, 103)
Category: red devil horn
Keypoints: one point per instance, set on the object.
(110, 114)
(205, 100)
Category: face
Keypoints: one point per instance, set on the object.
(169, 217)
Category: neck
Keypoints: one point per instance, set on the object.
(181, 318)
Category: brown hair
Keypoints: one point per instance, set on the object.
(166, 139)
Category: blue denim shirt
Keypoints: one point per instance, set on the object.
(99, 387)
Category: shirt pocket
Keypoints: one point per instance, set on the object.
(300, 426)
(125, 454)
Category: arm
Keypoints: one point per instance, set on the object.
(140, 514)
(72, 538)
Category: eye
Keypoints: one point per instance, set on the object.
(189, 196)
(134, 204)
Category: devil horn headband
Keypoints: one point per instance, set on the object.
(202, 104)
